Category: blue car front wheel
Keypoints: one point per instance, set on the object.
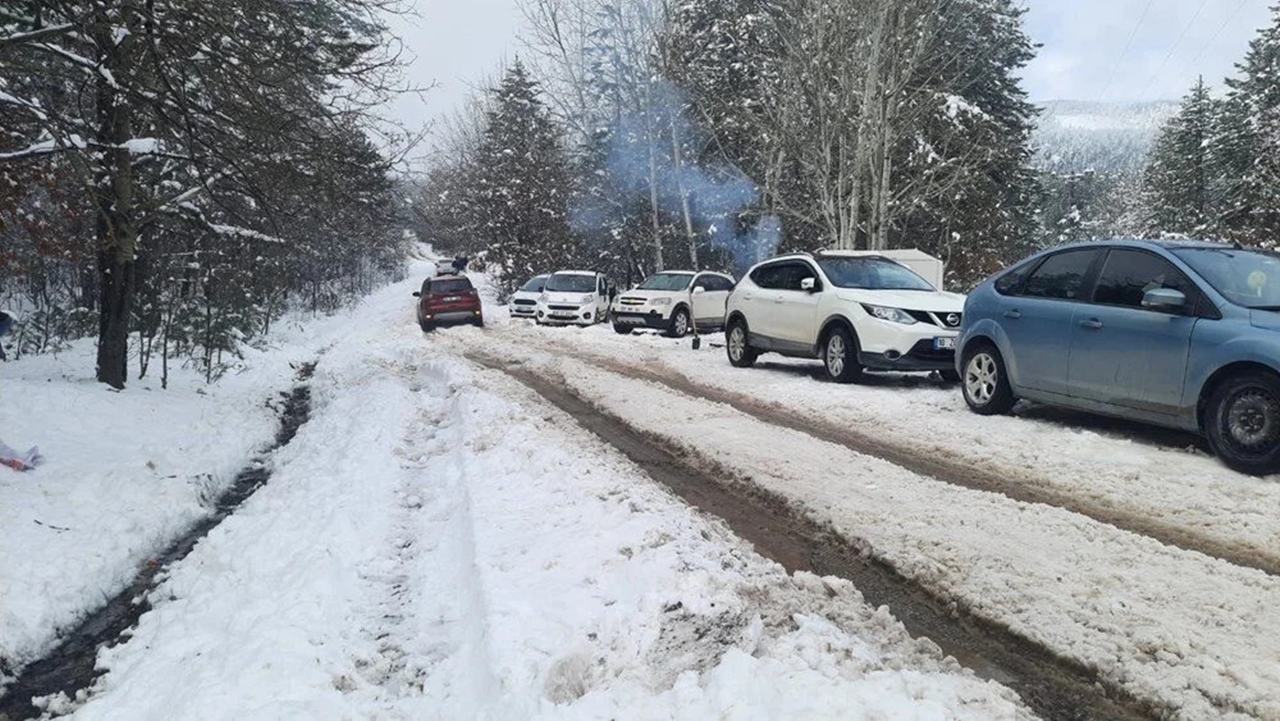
(1242, 422)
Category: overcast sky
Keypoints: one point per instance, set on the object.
(1136, 49)
(1093, 49)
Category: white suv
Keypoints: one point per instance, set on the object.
(574, 297)
(854, 310)
(671, 300)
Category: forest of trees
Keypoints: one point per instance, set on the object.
(174, 173)
(650, 134)
(712, 133)
(1214, 170)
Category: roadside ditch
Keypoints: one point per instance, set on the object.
(70, 667)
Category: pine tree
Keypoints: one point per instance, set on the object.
(1232, 150)
(965, 185)
(1177, 182)
(522, 185)
(1253, 201)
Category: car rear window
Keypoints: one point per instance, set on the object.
(449, 285)
(1060, 276)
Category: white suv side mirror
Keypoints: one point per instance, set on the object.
(808, 284)
(699, 289)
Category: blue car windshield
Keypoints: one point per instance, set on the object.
(571, 283)
(871, 273)
(1250, 278)
(666, 281)
(534, 285)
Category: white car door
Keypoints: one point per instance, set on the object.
(710, 291)
(601, 304)
(796, 311)
(761, 299)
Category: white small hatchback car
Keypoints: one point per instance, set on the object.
(574, 297)
(672, 301)
(524, 302)
(854, 310)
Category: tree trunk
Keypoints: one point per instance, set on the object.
(117, 227)
(116, 279)
(685, 205)
(653, 206)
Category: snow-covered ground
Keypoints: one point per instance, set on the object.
(435, 543)
(124, 473)
(1119, 468)
(1193, 633)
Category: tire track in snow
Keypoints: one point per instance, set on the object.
(1053, 686)
(947, 468)
(1157, 654)
(426, 620)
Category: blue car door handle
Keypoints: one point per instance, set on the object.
(1014, 314)
(1091, 323)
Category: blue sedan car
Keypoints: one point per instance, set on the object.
(1182, 334)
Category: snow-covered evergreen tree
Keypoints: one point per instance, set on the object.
(522, 185)
(1250, 156)
(1178, 178)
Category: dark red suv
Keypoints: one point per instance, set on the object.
(448, 299)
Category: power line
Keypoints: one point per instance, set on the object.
(1223, 26)
(1111, 74)
(1173, 49)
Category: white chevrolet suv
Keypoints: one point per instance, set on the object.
(854, 310)
(574, 297)
(672, 301)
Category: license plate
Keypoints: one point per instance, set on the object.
(452, 298)
(563, 315)
(944, 343)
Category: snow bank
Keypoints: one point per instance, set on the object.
(124, 473)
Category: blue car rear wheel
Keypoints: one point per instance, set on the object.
(983, 380)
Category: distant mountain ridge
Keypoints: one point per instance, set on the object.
(1077, 135)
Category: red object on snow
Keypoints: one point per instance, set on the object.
(19, 461)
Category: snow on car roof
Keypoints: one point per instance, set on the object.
(574, 272)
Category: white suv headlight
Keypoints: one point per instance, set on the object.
(661, 301)
(893, 315)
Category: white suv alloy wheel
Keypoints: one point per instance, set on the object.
(737, 342)
(836, 355)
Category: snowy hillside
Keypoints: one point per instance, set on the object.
(1079, 135)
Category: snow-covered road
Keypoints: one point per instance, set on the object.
(1192, 633)
(438, 543)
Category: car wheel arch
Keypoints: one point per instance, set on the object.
(1222, 374)
(828, 325)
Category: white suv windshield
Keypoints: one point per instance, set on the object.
(572, 283)
(666, 281)
(534, 285)
(871, 273)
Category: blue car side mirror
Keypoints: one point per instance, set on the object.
(1164, 298)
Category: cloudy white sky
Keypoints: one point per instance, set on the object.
(1092, 49)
